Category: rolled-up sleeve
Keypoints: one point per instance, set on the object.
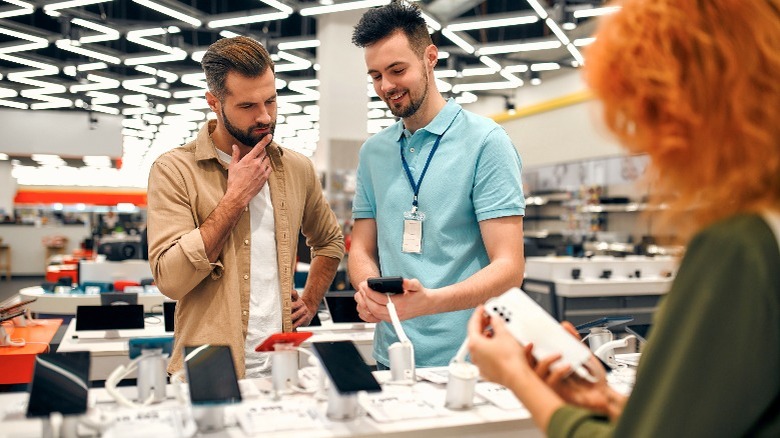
(177, 255)
(319, 226)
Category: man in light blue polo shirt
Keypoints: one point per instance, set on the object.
(439, 198)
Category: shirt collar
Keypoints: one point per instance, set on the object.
(439, 124)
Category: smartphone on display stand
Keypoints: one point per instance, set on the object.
(345, 367)
(605, 322)
(387, 285)
(294, 338)
(211, 375)
(60, 383)
(641, 331)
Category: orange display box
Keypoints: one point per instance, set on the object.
(16, 363)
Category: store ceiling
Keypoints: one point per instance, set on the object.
(139, 58)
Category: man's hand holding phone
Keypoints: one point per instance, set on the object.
(410, 301)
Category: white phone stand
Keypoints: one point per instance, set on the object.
(209, 418)
(460, 385)
(341, 407)
(152, 375)
(401, 362)
(284, 367)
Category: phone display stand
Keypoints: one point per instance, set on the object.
(401, 362)
(152, 375)
(6, 341)
(341, 407)
(460, 385)
(209, 418)
(284, 367)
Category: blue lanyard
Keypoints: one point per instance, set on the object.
(416, 187)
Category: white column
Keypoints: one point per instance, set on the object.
(343, 107)
(7, 189)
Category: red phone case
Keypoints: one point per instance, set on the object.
(294, 338)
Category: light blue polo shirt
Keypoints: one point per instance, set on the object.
(473, 176)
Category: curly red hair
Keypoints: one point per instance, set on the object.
(694, 84)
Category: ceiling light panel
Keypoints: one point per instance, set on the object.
(340, 7)
(181, 16)
(493, 22)
(17, 8)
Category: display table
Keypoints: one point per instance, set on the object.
(483, 420)
(66, 304)
(16, 363)
(107, 354)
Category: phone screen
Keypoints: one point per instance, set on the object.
(342, 307)
(346, 368)
(169, 313)
(60, 384)
(641, 331)
(211, 375)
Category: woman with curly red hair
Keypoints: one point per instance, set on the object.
(693, 84)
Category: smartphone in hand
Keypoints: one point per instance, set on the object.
(387, 285)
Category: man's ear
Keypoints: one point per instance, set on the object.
(431, 56)
(212, 101)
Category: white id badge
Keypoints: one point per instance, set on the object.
(412, 236)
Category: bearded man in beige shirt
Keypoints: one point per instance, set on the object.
(224, 216)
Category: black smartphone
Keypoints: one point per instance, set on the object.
(60, 383)
(211, 375)
(387, 285)
(342, 307)
(346, 368)
(130, 316)
(606, 322)
(641, 331)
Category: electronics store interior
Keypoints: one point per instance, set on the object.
(121, 319)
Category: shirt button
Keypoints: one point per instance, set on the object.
(411, 150)
(246, 276)
(245, 313)
(246, 208)
(246, 241)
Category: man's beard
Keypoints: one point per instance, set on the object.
(414, 105)
(247, 138)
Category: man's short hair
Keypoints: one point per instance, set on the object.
(240, 54)
(381, 22)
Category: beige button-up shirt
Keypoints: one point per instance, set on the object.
(185, 186)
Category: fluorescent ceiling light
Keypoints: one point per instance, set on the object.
(557, 30)
(140, 85)
(35, 42)
(575, 53)
(317, 10)
(67, 45)
(24, 8)
(170, 12)
(139, 37)
(302, 44)
(108, 34)
(443, 54)
(538, 8)
(520, 68)
(146, 69)
(296, 62)
(545, 66)
(3, 157)
(51, 7)
(496, 22)
(460, 42)
(584, 41)
(433, 24)
(228, 34)
(520, 47)
(176, 55)
(478, 71)
(445, 73)
(98, 83)
(594, 12)
(490, 63)
(278, 5)
(248, 19)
